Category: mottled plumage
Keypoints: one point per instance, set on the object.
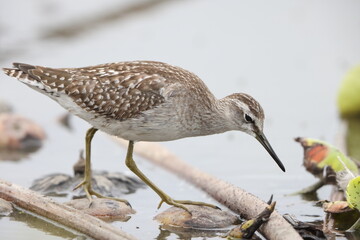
(116, 90)
(144, 101)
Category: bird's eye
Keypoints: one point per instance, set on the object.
(248, 119)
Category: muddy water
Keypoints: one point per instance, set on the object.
(290, 56)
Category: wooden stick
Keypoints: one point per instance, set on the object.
(67, 216)
(236, 199)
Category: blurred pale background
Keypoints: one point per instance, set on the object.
(289, 55)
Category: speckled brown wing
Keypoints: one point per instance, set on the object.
(118, 90)
(114, 92)
(47, 80)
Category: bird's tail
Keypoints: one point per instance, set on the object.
(42, 79)
(22, 72)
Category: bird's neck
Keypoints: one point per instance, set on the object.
(225, 114)
(216, 120)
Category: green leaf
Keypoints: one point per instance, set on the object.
(353, 193)
(348, 97)
(325, 154)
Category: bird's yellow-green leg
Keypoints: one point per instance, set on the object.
(86, 183)
(164, 197)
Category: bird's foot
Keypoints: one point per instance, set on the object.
(90, 192)
(181, 203)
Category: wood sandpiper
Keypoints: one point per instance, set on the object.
(144, 101)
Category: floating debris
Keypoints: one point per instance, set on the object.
(248, 228)
(105, 209)
(353, 198)
(19, 136)
(19, 133)
(55, 184)
(336, 207)
(321, 160)
(349, 182)
(112, 184)
(310, 231)
(201, 217)
(319, 155)
(339, 217)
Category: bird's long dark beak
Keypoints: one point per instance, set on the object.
(262, 139)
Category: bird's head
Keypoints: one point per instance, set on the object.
(245, 114)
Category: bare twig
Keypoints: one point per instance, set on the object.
(60, 213)
(236, 199)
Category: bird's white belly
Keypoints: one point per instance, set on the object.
(158, 124)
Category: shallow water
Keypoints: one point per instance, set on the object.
(289, 55)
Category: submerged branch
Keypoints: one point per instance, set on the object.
(236, 199)
(67, 216)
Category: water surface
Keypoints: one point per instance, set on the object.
(289, 55)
